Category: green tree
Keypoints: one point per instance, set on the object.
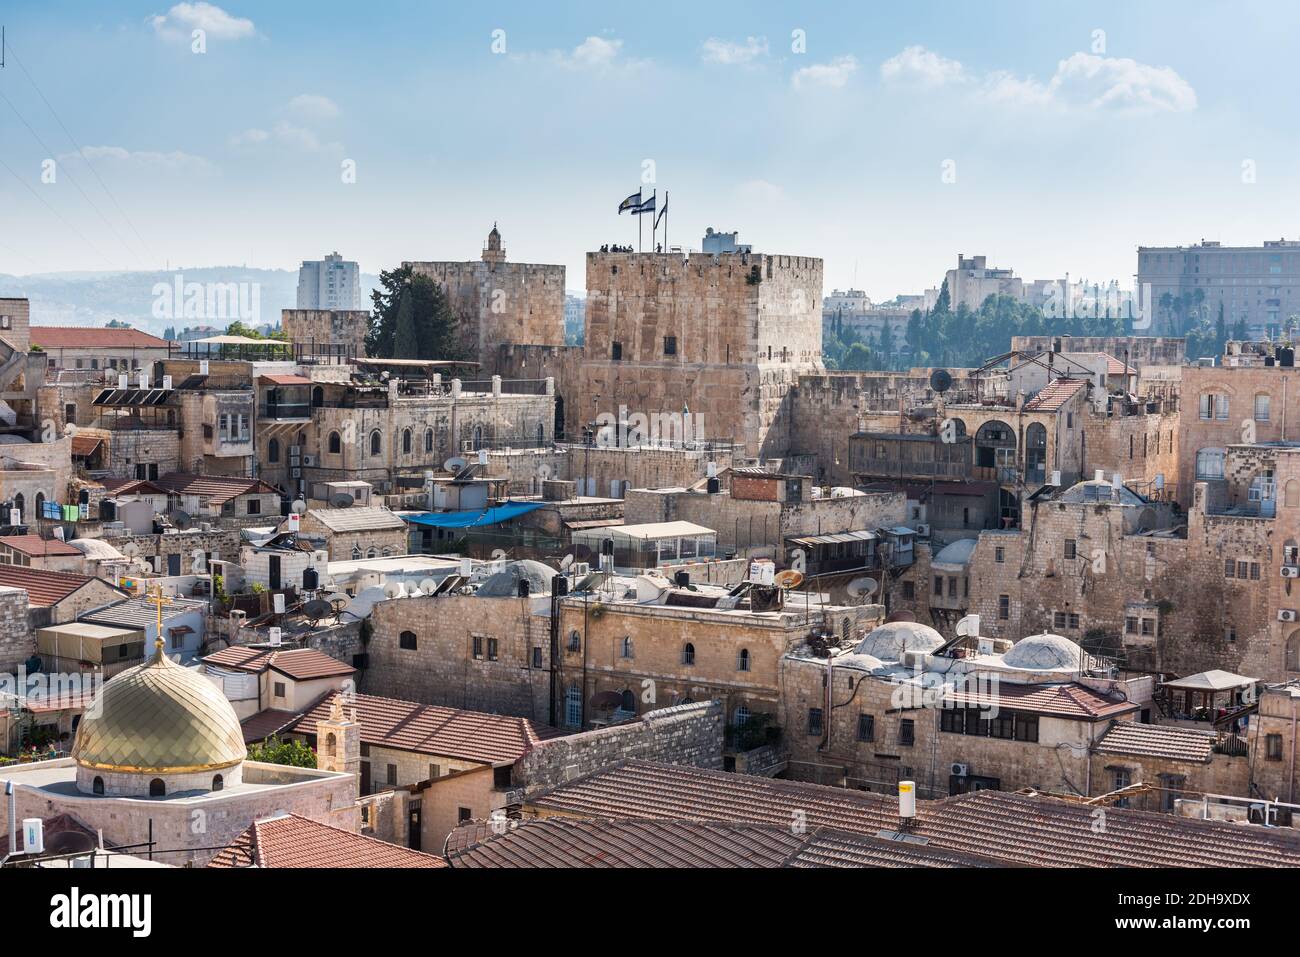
(406, 338)
(435, 323)
(293, 753)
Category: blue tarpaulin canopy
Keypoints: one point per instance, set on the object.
(473, 518)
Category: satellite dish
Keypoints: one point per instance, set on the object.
(180, 518)
(316, 609)
(394, 590)
(131, 550)
(863, 587)
(940, 381)
(788, 579)
(299, 507)
(428, 586)
(454, 464)
(581, 553)
(341, 500)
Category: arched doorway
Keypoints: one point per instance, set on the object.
(317, 397)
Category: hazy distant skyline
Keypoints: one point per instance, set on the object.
(1075, 134)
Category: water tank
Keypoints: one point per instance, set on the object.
(310, 579)
(525, 587)
(714, 486)
(1285, 356)
(682, 579)
(559, 586)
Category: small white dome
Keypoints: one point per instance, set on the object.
(1044, 653)
(859, 662)
(890, 640)
(956, 553)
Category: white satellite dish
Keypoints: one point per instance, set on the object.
(863, 587)
(131, 550)
(299, 507)
(394, 590)
(454, 464)
(428, 586)
(969, 626)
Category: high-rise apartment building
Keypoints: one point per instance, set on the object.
(329, 283)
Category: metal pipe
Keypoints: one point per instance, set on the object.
(13, 818)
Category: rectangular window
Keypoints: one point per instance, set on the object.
(392, 774)
(434, 771)
(866, 727)
(537, 657)
(815, 721)
(938, 585)
(999, 555)
(279, 689)
(478, 646)
(909, 591)
(670, 345)
(1273, 747)
(1131, 625)
(1148, 626)
(1070, 550)
(463, 814)
(1004, 607)
(1221, 407)
(1262, 403)
(1229, 568)
(907, 732)
(254, 506)
(492, 649)
(1026, 727)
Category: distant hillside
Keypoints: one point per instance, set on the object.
(94, 299)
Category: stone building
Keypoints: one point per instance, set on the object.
(356, 532)
(498, 302)
(318, 330)
(163, 750)
(905, 704)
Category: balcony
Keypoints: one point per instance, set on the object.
(285, 411)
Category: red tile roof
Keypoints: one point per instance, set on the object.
(1158, 741)
(262, 725)
(1053, 396)
(35, 545)
(1018, 829)
(565, 842)
(301, 664)
(93, 337)
(1068, 700)
(120, 486)
(43, 587)
(285, 379)
(1115, 366)
(293, 841)
(216, 488)
(429, 729)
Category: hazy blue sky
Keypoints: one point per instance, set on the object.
(1069, 147)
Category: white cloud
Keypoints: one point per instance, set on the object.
(730, 53)
(596, 52)
(1083, 81)
(916, 64)
(184, 18)
(144, 159)
(287, 135)
(313, 107)
(836, 73)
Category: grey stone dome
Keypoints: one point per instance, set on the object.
(505, 584)
(1044, 653)
(890, 640)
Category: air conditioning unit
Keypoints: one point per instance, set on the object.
(309, 460)
(958, 770)
(295, 473)
(1291, 571)
(1286, 614)
(581, 569)
(923, 531)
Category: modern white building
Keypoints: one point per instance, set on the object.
(329, 283)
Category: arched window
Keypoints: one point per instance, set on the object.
(742, 660)
(573, 706)
(157, 789)
(218, 782)
(575, 640)
(273, 451)
(356, 552)
(317, 397)
(688, 654)
(628, 702)
(428, 440)
(478, 437)
(331, 745)
(372, 552)
(406, 441)
(19, 503)
(97, 785)
(406, 641)
(376, 442)
(541, 433)
(335, 443)
(1209, 464)
(627, 647)
(40, 504)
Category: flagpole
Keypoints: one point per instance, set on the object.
(654, 227)
(637, 213)
(665, 220)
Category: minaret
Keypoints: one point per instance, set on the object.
(493, 253)
(338, 741)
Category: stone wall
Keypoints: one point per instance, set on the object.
(321, 326)
(688, 734)
(17, 638)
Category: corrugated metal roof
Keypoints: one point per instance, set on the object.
(357, 518)
(43, 587)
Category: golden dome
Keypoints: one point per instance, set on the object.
(159, 717)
